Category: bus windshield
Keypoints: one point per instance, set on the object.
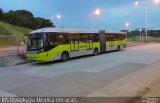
(35, 42)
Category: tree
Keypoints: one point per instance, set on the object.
(24, 13)
(41, 23)
(1, 14)
(20, 18)
(24, 18)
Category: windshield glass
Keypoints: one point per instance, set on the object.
(35, 42)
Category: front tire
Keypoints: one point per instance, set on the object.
(95, 51)
(64, 57)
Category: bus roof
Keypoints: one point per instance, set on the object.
(65, 30)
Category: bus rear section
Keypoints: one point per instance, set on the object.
(112, 41)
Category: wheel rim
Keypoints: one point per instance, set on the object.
(118, 48)
(64, 57)
(95, 52)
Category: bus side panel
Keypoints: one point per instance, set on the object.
(82, 46)
(56, 52)
(96, 45)
(112, 45)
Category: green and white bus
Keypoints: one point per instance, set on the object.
(51, 44)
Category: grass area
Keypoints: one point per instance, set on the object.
(8, 41)
(143, 39)
(9, 31)
(133, 38)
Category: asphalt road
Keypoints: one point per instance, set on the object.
(132, 72)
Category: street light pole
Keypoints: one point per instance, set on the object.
(56, 18)
(146, 22)
(140, 38)
(92, 22)
(95, 13)
(55, 21)
(146, 15)
(127, 26)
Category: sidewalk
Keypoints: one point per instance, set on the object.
(8, 51)
(131, 44)
(10, 55)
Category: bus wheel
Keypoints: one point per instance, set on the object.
(118, 48)
(65, 56)
(95, 51)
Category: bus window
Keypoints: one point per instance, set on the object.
(108, 37)
(115, 37)
(67, 38)
(95, 38)
(82, 38)
(111, 37)
(73, 38)
(62, 38)
(122, 36)
(89, 37)
(50, 41)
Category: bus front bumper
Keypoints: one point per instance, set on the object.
(31, 57)
(41, 57)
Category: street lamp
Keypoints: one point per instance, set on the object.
(157, 1)
(136, 3)
(127, 24)
(146, 15)
(140, 38)
(97, 12)
(57, 17)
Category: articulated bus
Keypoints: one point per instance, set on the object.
(51, 44)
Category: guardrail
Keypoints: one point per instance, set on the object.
(9, 45)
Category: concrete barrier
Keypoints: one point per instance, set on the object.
(11, 61)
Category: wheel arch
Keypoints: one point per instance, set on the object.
(97, 49)
(118, 47)
(65, 52)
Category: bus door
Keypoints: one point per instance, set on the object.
(89, 41)
(74, 42)
(111, 42)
